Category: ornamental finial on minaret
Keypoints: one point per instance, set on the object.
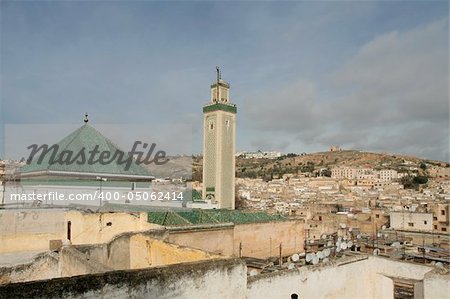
(86, 118)
(219, 89)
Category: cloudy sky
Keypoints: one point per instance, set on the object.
(305, 75)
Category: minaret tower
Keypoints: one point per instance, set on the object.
(219, 145)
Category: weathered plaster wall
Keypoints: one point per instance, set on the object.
(43, 266)
(30, 230)
(347, 278)
(436, 285)
(73, 262)
(92, 228)
(222, 278)
(219, 240)
(262, 240)
(335, 282)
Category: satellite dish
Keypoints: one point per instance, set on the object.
(315, 260)
(311, 241)
(291, 266)
(383, 227)
(358, 236)
(326, 252)
(338, 248)
(295, 257)
(309, 257)
(343, 225)
(320, 254)
(350, 229)
(376, 251)
(302, 254)
(379, 235)
(329, 244)
(339, 239)
(344, 246)
(349, 244)
(395, 244)
(427, 250)
(326, 260)
(439, 264)
(324, 236)
(253, 272)
(345, 238)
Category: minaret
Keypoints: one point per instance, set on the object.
(219, 145)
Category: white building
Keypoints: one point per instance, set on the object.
(411, 221)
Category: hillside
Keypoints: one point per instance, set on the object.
(309, 163)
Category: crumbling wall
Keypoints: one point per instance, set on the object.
(43, 266)
(74, 262)
(222, 278)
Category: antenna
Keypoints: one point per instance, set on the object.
(218, 79)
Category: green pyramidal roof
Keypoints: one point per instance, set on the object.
(85, 139)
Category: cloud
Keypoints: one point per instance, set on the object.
(393, 96)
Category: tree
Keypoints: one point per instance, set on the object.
(423, 166)
(325, 172)
(419, 180)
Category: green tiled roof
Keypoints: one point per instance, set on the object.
(86, 137)
(195, 217)
(220, 106)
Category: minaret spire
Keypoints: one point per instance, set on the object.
(86, 118)
(218, 79)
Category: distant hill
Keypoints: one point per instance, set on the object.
(314, 162)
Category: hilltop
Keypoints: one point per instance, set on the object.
(314, 162)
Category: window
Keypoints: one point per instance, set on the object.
(294, 296)
(410, 224)
(69, 230)
(377, 215)
(434, 218)
(109, 224)
(424, 222)
(227, 124)
(435, 227)
(444, 229)
(211, 125)
(443, 212)
(320, 218)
